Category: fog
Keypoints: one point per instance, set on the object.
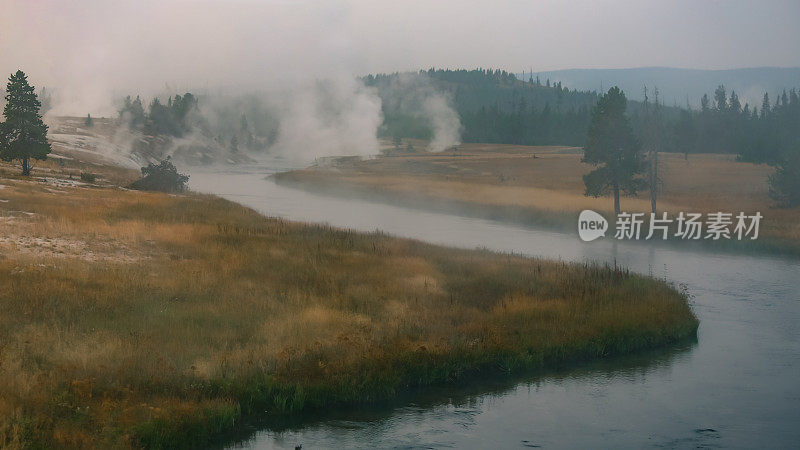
(87, 51)
(298, 61)
(414, 95)
(329, 118)
(303, 57)
(98, 47)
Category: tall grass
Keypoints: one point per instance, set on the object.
(505, 182)
(216, 311)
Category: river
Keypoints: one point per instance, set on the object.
(738, 386)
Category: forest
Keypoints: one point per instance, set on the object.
(496, 107)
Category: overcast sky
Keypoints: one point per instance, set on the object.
(146, 44)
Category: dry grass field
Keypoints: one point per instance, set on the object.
(134, 319)
(507, 182)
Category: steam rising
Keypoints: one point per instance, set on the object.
(330, 118)
(300, 63)
(414, 95)
(444, 121)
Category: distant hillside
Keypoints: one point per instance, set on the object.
(492, 106)
(676, 84)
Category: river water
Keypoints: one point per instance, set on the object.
(737, 386)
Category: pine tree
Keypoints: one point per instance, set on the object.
(234, 145)
(132, 112)
(765, 106)
(704, 103)
(612, 146)
(734, 105)
(685, 133)
(23, 135)
(784, 184)
(720, 99)
(46, 100)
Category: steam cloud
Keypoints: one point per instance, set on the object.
(414, 95)
(330, 118)
(444, 121)
(89, 60)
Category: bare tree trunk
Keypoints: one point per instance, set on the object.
(655, 137)
(653, 179)
(26, 168)
(616, 199)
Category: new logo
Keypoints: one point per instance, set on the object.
(591, 225)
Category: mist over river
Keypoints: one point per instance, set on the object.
(737, 386)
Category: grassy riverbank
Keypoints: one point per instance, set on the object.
(133, 319)
(505, 182)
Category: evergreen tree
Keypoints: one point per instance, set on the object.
(163, 177)
(234, 145)
(160, 119)
(46, 100)
(784, 184)
(734, 105)
(612, 146)
(685, 134)
(89, 122)
(182, 106)
(720, 99)
(23, 135)
(132, 113)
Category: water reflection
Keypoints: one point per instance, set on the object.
(736, 388)
(457, 406)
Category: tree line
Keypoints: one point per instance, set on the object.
(496, 107)
(181, 115)
(173, 118)
(626, 163)
(724, 125)
(493, 106)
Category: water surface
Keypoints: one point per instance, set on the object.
(738, 386)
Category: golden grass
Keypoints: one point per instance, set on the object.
(507, 181)
(194, 311)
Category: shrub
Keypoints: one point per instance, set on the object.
(87, 177)
(784, 184)
(163, 177)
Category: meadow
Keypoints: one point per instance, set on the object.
(134, 319)
(543, 186)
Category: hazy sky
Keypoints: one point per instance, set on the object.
(90, 47)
